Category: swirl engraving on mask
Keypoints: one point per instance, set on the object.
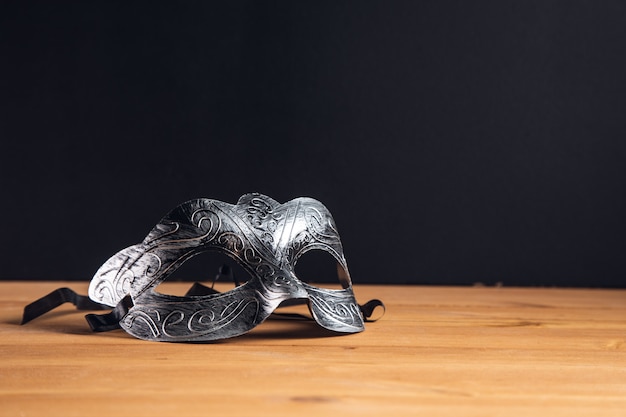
(203, 321)
(277, 286)
(207, 222)
(231, 241)
(262, 217)
(342, 310)
(113, 285)
(320, 225)
(162, 230)
(171, 320)
(265, 270)
(153, 268)
(297, 244)
(251, 257)
(185, 324)
(148, 323)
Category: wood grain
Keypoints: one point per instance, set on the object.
(438, 351)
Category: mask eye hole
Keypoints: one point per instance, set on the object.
(320, 268)
(204, 268)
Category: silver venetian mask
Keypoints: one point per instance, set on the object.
(265, 237)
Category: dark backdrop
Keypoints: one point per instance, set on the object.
(454, 142)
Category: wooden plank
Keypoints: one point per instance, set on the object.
(438, 351)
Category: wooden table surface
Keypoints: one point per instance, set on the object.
(438, 351)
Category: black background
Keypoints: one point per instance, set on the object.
(454, 142)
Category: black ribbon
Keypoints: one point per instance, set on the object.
(110, 321)
(55, 299)
(368, 309)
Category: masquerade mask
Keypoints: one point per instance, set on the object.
(265, 237)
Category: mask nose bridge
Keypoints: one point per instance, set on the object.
(297, 286)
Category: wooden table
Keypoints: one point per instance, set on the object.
(438, 351)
